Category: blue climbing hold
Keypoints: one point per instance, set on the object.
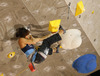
(85, 64)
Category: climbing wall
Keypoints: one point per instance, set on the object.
(89, 20)
(38, 13)
(44, 11)
(13, 15)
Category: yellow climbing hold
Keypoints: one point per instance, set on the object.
(11, 55)
(60, 46)
(1, 74)
(54, 25)
(92, 12)
(79, 8)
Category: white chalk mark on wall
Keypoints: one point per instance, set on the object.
(27, 0)
(51, 10)
(43, 22)
(60, 2)
(90, 22)
(63, 51)
(74, 24)
(70, 62)
(6, 43)
(3, 4)
(78, 56)
(27, 70)
(11, 33)
(25, 18)
(12, 74)
(47, 69)
(61, 67)
(17, 66)
(35, 12)
(8, 18)
(86, 49)
(76, 50)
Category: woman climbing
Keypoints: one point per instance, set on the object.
(27, 42)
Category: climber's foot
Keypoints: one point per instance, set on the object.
(61, 28)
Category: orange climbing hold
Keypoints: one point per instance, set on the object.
(79, 8)
(54, 25)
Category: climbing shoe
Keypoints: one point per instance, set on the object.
(57, 49)
(61, 28)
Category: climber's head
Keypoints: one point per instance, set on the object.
(22, 33)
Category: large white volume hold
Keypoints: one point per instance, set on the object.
(71, 39)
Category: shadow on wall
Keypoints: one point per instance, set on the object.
(36, 31)
(13, 31)
(7, 38)
(39, 31)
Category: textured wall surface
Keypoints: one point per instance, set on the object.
(38, 13)
(88, 21)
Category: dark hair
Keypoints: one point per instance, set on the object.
(22, 32)
(39, 58)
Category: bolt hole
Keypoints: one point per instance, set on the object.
(11, 54)
(79, 16)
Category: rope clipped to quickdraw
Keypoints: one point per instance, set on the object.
(69, 9)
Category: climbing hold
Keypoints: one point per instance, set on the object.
(85, 64)
(1, 74)
(71, 39)
(11, 55)
(92, 12)
(54, 25)
(60, 46)
(79, 8)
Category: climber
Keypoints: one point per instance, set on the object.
(27, 42)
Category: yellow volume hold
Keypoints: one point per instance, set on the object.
(54, 25)
(79, 8)
(11, 55)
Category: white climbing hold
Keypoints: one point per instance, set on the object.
(71, 39)
(47, 69)
(61, 67)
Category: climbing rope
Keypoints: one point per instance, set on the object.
(22, 71)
